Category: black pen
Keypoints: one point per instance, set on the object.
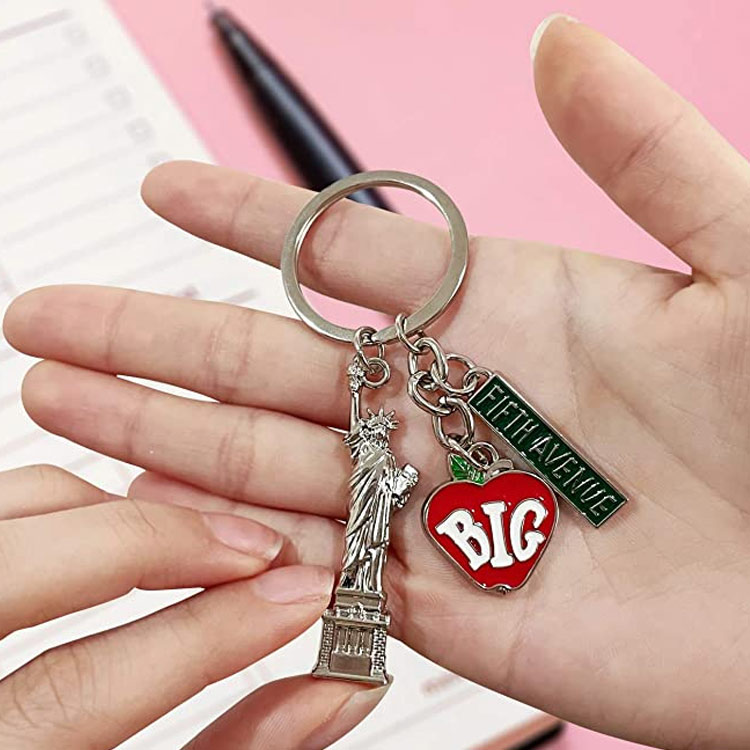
(316, 151)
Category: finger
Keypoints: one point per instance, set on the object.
(649, 149)
(32, 490)
(313, 540)
(299, 713)
(242, 453)
(375, 258)
(70, 560)
(308, 539)
(98, 691)
(226, 352)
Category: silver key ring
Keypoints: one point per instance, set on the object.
(340, 189)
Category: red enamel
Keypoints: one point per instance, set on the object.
(512, 487)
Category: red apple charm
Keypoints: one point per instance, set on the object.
(496, 530)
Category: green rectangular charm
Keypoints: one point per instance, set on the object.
(530, 436)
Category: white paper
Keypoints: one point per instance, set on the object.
(82, 119)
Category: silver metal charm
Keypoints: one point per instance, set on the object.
(355, 626)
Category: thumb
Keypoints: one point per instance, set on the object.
(650, 150)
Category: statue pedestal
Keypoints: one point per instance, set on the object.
(352, 645)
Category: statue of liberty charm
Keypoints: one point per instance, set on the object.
(355, 626)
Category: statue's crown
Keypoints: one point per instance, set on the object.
(375, 419)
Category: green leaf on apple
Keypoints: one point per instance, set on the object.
(463, 471)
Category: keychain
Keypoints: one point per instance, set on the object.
(493, 521)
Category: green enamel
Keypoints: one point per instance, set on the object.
(528, 434)
(463, 471)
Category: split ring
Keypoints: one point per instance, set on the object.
(340, 189)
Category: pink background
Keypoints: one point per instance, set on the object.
(445, 90)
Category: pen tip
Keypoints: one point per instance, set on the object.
(210, 7)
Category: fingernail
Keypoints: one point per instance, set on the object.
(244, 535)
(346, 718)
(536, 37)
(295, 583)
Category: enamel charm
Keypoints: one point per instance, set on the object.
(493, 521)
(494, 529)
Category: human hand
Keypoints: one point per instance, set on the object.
(67, 545)
(639, 628)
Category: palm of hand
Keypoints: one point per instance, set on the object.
(618, 354)
(620, 626)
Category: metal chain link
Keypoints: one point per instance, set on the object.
(370, 365)
(431, 389)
